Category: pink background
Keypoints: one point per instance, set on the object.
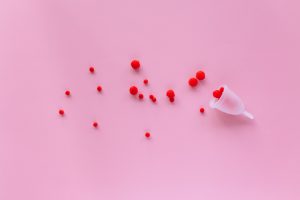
(47, 47)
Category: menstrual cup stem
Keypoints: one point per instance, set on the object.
(249, 115)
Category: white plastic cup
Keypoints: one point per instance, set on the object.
(230, 103)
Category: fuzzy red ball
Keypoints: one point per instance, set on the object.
(92, 70)
(67, 93)
(221, 89)
(202, 110)
(99, 88)
(135, 64)
(141, 96)
(170, 93)
(61, 112)
(133, 90)
(95, 124)
(193, 82)
(217, 94)
(147, 135)
(200, 75)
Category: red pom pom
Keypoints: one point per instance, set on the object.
(68, 93)
(95, 124)
(221, 89)
(202, 110)
(172, 99)
(135, 64)
(133, 90)
(141, 96)
(61, 112)
(147, 135)
(193, 82)
(200, 75)
(99, 88)
(146, 81)
(217, 94)
(170, 93)
(92, 69)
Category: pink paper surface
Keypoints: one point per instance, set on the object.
(47, 46)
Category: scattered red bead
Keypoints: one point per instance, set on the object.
(217, 94)
(146, 81)
(172, 99)
(153, 99)
(202, 110)
(92, 70)
(68, 93)
(170, 93)
(221, 89)
(135, 64)
(133, 90)
(61, 112)
(200, 75)
(151, 96)
(193, 82)
(95, 124)
(99, 88)
(147, 135)
(141, 96)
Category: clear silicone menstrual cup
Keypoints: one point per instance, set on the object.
(230, 103)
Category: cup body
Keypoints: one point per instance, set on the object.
(228, 103)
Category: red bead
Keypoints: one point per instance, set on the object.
(95, 124)
(99, 88)
(153, 99)
(146, 81)
(217, 94)
(92, 69)
(133, 90)
(67, 92)
(221, 89)
(193, 82)
(200, 75)
(135, 64)
(202, 110)
(141, 96)
(147, 135)
(61, 112)
(170, 93)
(151, 96)
(172, 99)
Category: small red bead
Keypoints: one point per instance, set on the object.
(68, 93)
(202, 110)
(172, 99)
(221, 89)
(170, 93)
(151, 96)
(147, 135)
(193, 82)
(200, 75)
(61, 112)
(99, 88)
(95, 124)
(217, 94)
(154, 99)
(141, 96)
(133, 90)
(92, 69)
(146, 81)
(135, 64)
